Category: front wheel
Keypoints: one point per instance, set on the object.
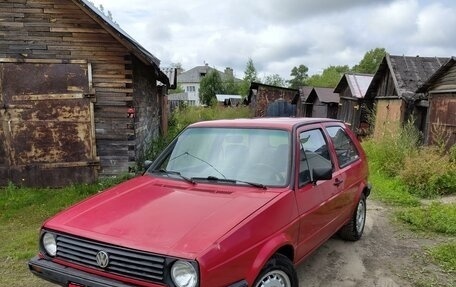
(354, 229)
(278, 272)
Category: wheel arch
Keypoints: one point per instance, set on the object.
(277, 245)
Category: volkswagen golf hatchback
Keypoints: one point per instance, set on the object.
(227, 203)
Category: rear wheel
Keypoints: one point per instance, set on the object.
(354, 229)
(278, 272)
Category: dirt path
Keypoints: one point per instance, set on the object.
(386, 256)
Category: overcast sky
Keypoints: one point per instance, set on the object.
(281, 34)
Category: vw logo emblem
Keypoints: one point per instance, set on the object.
(102, 259)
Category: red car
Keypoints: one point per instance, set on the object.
(228, 203)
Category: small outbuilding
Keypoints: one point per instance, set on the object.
(79, 98)
(393, 91)
(352, 88)
(322, 103)
(440, 91)
(273, 101)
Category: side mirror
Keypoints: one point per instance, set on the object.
(321, 173)
(147, 164)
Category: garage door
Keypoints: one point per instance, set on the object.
(46, 125)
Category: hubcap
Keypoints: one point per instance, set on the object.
(274, 278)
(360, 216)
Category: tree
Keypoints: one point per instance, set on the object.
(329, 78)
(274, 80)
(299, 75)
(210, 85)
(250, 75)
(231, 86)
(372, 59)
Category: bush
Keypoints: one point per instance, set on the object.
(428, 173)
(387, 154)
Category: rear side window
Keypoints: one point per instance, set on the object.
(345, 148)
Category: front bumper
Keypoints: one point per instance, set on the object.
(62, 275)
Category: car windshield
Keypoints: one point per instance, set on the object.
(249, 155)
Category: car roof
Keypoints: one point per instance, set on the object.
(275, 123)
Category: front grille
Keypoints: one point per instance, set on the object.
(122, 261)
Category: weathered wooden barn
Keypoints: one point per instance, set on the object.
(304, 92)
(393, 91)
(322, 103)
(352, 88)
(440, 91)
(79, 98)
(273, 101)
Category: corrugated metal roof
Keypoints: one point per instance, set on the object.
(358, 84)
(221, 97)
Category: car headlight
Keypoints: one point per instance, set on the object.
(49, 244)
(184, 274)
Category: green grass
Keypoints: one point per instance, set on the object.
(437, 217)
(22, 211)
(391, 190)
(445, 255)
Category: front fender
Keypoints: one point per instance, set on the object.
(271, 247)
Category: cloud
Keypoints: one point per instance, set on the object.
(281, 34)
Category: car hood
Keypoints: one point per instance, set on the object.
(161, 216)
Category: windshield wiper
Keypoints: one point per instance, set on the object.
(163, 171)
(197, 158)
(214, 178)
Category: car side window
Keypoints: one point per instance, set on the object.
(314, 153)
(345, 148)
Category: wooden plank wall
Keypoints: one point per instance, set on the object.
(442, 119)
(57, 30)
(447, 82)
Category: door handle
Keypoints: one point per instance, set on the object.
(338, 182)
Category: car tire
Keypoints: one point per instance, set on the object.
(355, 227)
(278, 271)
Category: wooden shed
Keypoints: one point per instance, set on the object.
(79, 98)
(273, 101)
(440, 90)
(322, 103)
(352, 88)
(393, 91)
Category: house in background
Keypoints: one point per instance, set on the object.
(393, 91)
(440, 91)
(79, 97)
(272, 101)
(322, 103)
(352, 88)
(190, 81)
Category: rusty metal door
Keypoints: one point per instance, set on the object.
(46, 124)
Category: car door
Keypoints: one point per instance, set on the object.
(346, 174)
(312, 197)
